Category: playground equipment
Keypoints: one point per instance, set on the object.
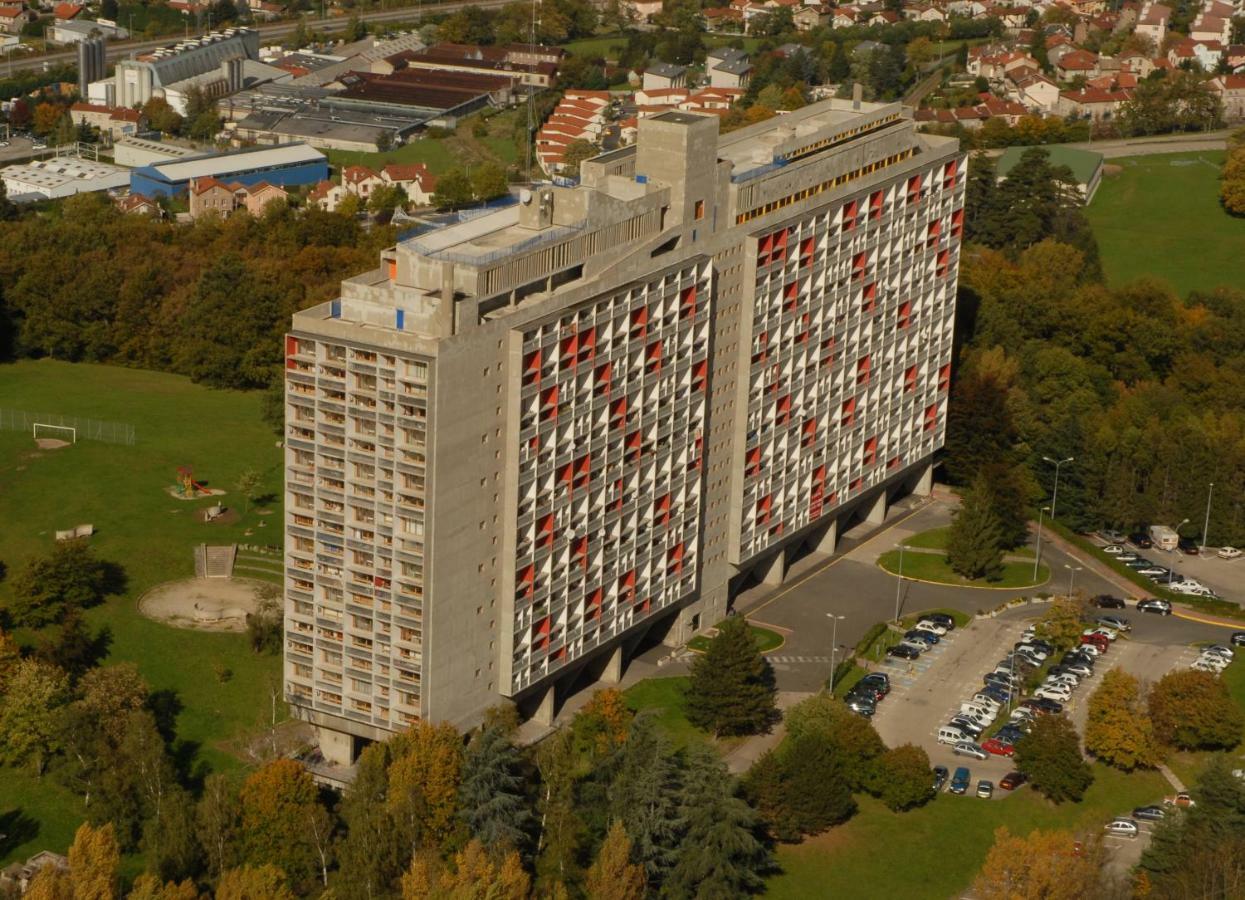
(186, 484)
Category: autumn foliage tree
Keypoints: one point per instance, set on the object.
(1061, 623)
(474, 874)
(613, 876)
(423, 783)
(1045, 865)
(92, 874)
(1194, 711)
(1118, 729)
(281, 815)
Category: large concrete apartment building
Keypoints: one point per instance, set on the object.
(534, 438)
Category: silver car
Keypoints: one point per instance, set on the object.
(969, 748)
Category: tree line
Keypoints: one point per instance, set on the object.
(81, 281)
(1141, 387)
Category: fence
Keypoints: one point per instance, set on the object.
(87, 429)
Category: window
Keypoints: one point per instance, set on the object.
(699, 209)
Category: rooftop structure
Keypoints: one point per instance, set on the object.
(537, 435)
(1085, 165)
(138, 79)
(61, 176)
(288, 164)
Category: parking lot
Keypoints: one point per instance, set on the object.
(1225, 577)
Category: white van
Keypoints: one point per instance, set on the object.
(949, 734)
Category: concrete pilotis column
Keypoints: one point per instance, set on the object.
(336, 746)
(545, 712)
(614, 668)
(777, 570)
(877, 514)
(828, 540)
(925, 486)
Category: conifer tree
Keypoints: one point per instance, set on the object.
(644, 797)
(732, 690)
(975, 544)
(491, 795)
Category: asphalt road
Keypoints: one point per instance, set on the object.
(121, 49)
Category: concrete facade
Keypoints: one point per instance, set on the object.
(530, 439)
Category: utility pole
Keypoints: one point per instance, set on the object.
(834, 646)
(899, 584)
(1055, 493)
(1210, 491)
(1037, 558)
(1072, 570)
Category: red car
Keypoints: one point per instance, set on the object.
(997, 747)
(1012, 780)
(1098, 640)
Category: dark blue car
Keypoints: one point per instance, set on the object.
(960, 780)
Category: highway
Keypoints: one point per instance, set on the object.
(270, 31)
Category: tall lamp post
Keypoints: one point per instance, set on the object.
(1037, 558)
(899, 584)
(834, 646)
(1054, 497)
(1072, 570)
(1170, 570)
(1210, 492)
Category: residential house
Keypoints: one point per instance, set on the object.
(925, 12)
(1137, 63)
(1211, 28)
(722, 18)
(643, 10)
(1037, 92)
(1092, 103)
(138, 204)
(63, 12)
(18, 876)
(1235, 55)
(1077, 63)
(884, 17)
(664, 75)
(115, 121)
(1231, 91)
(361, 181)
(1152, 23)
(810, 16)
(844, 17)
(415, 180)
(209, 195)
(1200, 54)
(256, 197)
(326, 195)
(728, 67)
(12, 18)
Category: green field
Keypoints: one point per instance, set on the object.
(432, 152)
(936, 539)
(766, 639)
(1161, 216)
(935, 851)
(666, 698)
(121, 491)
(923, 566)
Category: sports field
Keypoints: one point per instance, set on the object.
(1161, 216)
(220, 686)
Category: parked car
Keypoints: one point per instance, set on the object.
(1127, 557)
(904, 651)
(995, 747)
(985, 789)
(1044, 705)
(1109, 633)
(1123, 827)
(1181, 799)
(1106, 601)
(1187, 546)
(961, 780)
(926, 637)
(880, 681)
(969, 748)
(1009, 735)
(862, 706)
(1012, 780)
(1220, 650)
(1193, 588)
(1119, 623)
(1058, 694)
(1229, 553)
(1113, 537)
(1140, 539)
(1238, 639)
(1140, 562)
(940, 619)
(951, 734)
(998, 693)
(1078, 668)
(1098, 641)
(1091, 650)
(930, 625)
(966, 725)
(1113, 549)
(1155, 573)
(1149, 813)
(919, 646)
(1159, 607)
(940, 777)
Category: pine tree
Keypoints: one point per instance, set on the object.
(719, 855)
(975, 544)
(732, 690)
(643, 796)
(491, 794)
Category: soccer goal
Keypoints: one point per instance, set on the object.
(58, 431)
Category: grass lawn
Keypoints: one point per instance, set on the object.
(605, 47)
(936, 539)
(1195, 245)
(766, 639)
(666, 698)
(120, 490)
(432, 152)
(934, 567)
(935, 851)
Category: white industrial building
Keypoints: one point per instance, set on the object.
(61, 176)
(134, 152)
(160, 71)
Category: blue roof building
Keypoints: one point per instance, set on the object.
(285, 165)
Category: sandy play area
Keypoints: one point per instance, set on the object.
(206, 604)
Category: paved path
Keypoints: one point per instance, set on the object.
(740, 758)
(1149, 146)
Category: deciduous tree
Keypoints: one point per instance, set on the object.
(903, 778)
(1117, 729)
(32, 714)
(218, 815)
(732, 688)
(149, 887)
(264, 882)
(71, 576)
(280, 804)
(424, 778)
(613, 876)
(1050, 755)
(476, 875)
(1045, 865)
(1194, 711)
(488, 180)
(93, 861)
(1062, 622)
(803, 787)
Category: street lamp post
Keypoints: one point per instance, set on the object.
(1072, 570)
(899, 584)
(1210, 491)
(1054, 498)
(1170, 570)
(1037, 558)
(834, 646)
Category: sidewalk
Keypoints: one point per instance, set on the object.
(741, 758)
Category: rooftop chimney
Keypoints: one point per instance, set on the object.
(858, 94)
